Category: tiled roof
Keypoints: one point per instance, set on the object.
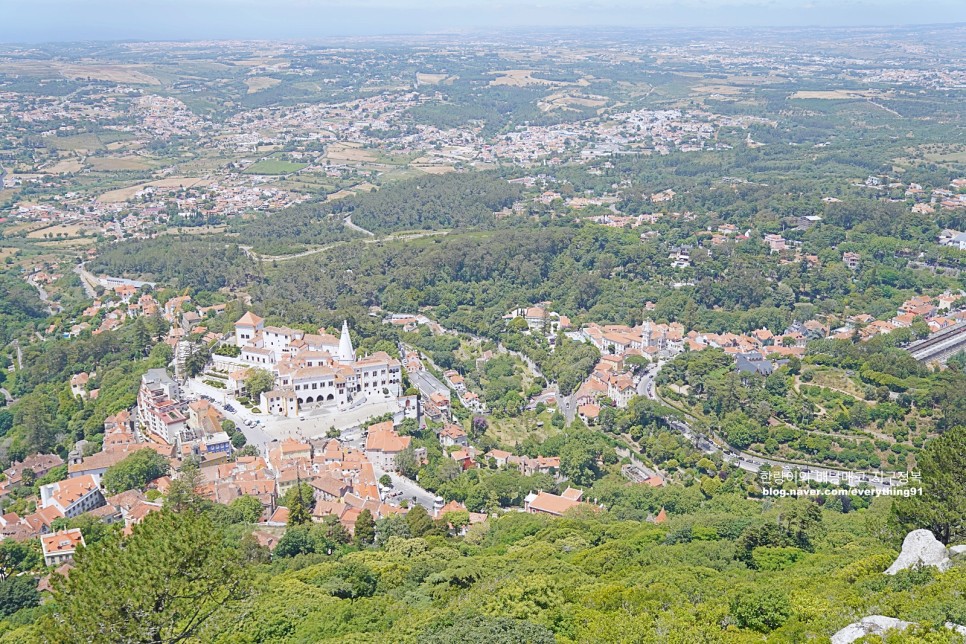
(389, 441)
(62, 542)
(249, 319)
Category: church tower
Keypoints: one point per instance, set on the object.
(646, 334)
(347, 354)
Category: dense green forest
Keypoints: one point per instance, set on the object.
(292, 230)
(441, 201)
(20, 307)
(47, 417)
(206, 264)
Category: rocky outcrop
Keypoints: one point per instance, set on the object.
(920, 548)
(878, 625)
(871, 625)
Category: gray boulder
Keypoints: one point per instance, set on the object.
(955, 550)
(878, 625)
(871, 625)
(921, 548)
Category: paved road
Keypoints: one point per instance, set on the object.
(285, 258)
(567, 406)
(88, 281)
(646, 386)
(400, 236)
(311, 423)
(7, 396)
(427, 383)
(499, 346)
(52, 307)
(258, 435)
(410, 490)
(348, 224)
(744, 460)
(16, 343)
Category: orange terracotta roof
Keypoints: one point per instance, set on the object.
(552, 504)
(388, 441)
(62, 542)
(249, 319)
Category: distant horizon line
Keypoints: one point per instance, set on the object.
(499, 30)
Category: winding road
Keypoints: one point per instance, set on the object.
(52, 307)
(747, 461)
(402, 236)
(348, 224)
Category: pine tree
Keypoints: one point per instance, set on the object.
(365, 529)
(941, 507)
(298, 512)
(142, 339)
(164, 583)
(420, 524)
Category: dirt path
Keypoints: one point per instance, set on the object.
(403, 236)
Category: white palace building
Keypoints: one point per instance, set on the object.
(313, 369)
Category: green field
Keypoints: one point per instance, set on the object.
(273, 166)
(77, 142)
(513, 431)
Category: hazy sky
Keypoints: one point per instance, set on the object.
(49, 20)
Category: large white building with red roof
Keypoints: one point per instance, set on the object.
(160, 411)
(313, 369)
(73, 496)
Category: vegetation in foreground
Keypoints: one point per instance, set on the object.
(723, 568)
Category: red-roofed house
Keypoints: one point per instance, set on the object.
(383, 444)
(552, 504)
(453, 435)
(59, 547)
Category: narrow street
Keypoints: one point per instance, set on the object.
(408, 490)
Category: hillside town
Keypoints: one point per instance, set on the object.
(585, 334)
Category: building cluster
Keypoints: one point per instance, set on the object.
(760, 351)
(167, 420)
(80, 493)
(526, 465)
(937, 312)
(336, 480)
(310, 369)
(539, 320)
(455, 382)
(925, 200)
(614, 376)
